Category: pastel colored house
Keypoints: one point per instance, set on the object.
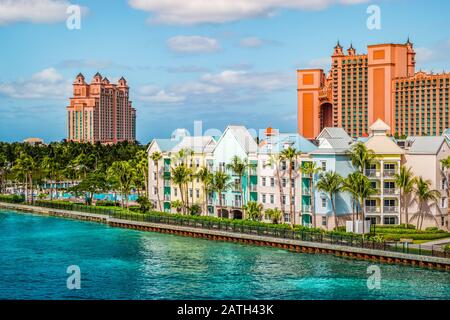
(423, 155)
(273, 176)
(332, 154)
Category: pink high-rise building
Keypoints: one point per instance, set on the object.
(100, 111)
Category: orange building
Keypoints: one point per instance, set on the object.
(360, 88)
(100, 111)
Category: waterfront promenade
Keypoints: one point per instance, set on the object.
(253, 239)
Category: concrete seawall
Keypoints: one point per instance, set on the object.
(288, 244)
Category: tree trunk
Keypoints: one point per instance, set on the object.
(363, 217)
(402, 199)
(312, 202)
(220, 203)
(31, 188)
(291, 204)
(406, 214)
(182, 198)
(205, 197)
(334, 211)
(280, 193)
(157, 187)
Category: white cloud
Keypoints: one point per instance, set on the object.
(221, 11)
(320, 63)
(229, 86)
(193, 44)
(265, 81)
(251, 42)
(45, 84)
(35, 11)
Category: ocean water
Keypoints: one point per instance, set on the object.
(36, 251)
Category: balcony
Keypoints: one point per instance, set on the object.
(253, 188)
(306, 208)
(372, 209)
(372, 173)
(390, 209)
(236, 203)
(167, 183)
(306, 191)
(389, 173)
(252, 171)
(377, 191)
(236, 188)
(391, 191)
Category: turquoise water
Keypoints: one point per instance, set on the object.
(115, 263)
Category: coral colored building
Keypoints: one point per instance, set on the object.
(361, 88)
(100, 111)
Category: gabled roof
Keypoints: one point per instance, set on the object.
(332, 146)
(276, 143)
(334, 132)
(164, 145)
(379, 125)
(242, 136)
(380, 144)
(425, 145)
(198, 144)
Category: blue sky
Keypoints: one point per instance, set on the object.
(186, 62)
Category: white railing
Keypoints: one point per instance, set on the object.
(389, 172)
(372, 172)
(390, 209)
(390, 191)
(372, 209)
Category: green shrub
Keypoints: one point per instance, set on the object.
(106, 203)
(12, 198)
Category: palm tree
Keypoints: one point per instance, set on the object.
(290, 154)
(141, 163)
(49, 166)
(180, 176)
(350, 185)
(238, 167)
(364, 190)
(330, 182)
(274, 214)
(360, 156)
(25, 167)
(205, 177)
(177, 205)
(424, 196)
(156, 157)
(221, 183)
(405, 180)
(4, 169)
(310, 168)
(253, 210)
(274, 160)
(446, 165)
(124, 174)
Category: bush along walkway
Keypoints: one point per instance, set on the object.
(283, 231)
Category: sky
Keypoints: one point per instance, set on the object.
(217, 61)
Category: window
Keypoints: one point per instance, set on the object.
(175, 191)
(197, 193)
(324, 202)
(443, 202)
(283, 165)
(443, 184)
(190, 193)
(155, 190)
(272, 199)
(154, 175)
(263, 198)
(389, 220)
(283, 199)
(324, 221)
(283, 182)
(323, 165)
(263, 181)
(292, 183)
(272, 182)
(442, 221)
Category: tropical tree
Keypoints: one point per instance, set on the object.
(95, 182)
(424, 195)
(350, 185)
(205, 177)
(25, 167)
(50, 167)
(310, 168)
(253, 210)
(290, 155)
(141, 165)
(446, 167)
(4, 169)
(365, 190)
(221, 182)
(405, 180)
(177, 205)
(123, 173)
(180, 176)
(274, 215)
(238, 167)
(330, 182)
(360, 156)
(156, 157)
